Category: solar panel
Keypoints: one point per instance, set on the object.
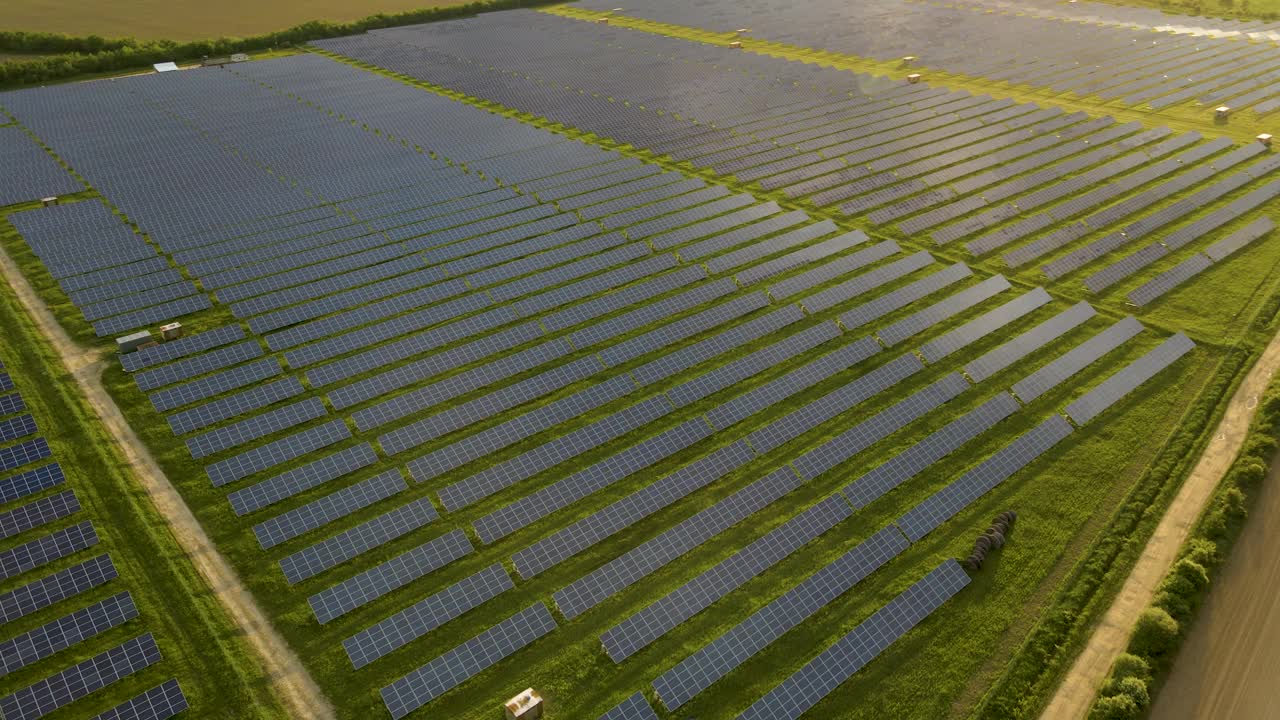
(978, 328)
(581, 535)
(31, 482)
(915, 459)
(410, 436)
(942, 505)
(58, 635)
(80, 680)
(495, 438)
(388, 576)
(210, 385)
(6, 382)
(256, 427)
(815, 371)
(174, 349)
(904, 296)
(633, 708)
(465, 661)
(15, 456)
(421, 618)
(639, 630)
(328, 553)
(1127, 380)
(10, 404)
(808, 685)
(1029, 341)
(44, 550)
(325, 510)
(149, 380)
(1234, 242)
(678, 361)
(276, 452)
(241, 403)
(675, 331)
(1149, 291)
(504, 521)
(866, 433)
(159, 703)
(1077, 359)
(300, 479)
(949, 307)
(858, 285)
(509, 472)
(17, 427)
(629, 568)
(840, 400)
(724, 654)
(37, 513)
(54, 588)
(728, 375)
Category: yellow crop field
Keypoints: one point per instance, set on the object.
(188, 19)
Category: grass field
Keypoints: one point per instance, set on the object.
(199, 643)
(188, 19)
(1066, 502)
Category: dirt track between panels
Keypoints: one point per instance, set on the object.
(1074, 696)
(1227, 666)
(293, 684)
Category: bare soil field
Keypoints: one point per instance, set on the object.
(187, 19)
(1227, 667)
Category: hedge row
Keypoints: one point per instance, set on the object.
(1036, 668)
(91, 54)
(1160, 630)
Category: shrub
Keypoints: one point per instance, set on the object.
(1192, 572)
(1128, 665)
(1155, 634)
(1115, 707)
(1176, 605)
(1203, 552)
(1133, 688)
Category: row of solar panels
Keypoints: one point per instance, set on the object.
(25, 473)
(1041, 50)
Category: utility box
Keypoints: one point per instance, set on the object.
(909, 60)
(913, 78)
(49, 201)
(736, 44)
(603, 21)
(172, 331)
(1265, 139)
(1221, 113)
(129, 343)
(525, 706)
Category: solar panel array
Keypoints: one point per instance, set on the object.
(53, 612)
(601, 366)
(808, 685)
(926, 159)
(1111, 390)
(459, 664)
(1052, 46)
(700, 670)
(31, 173)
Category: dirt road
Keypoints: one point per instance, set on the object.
(1076, 693)
(1227, 667)
(293, 684)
